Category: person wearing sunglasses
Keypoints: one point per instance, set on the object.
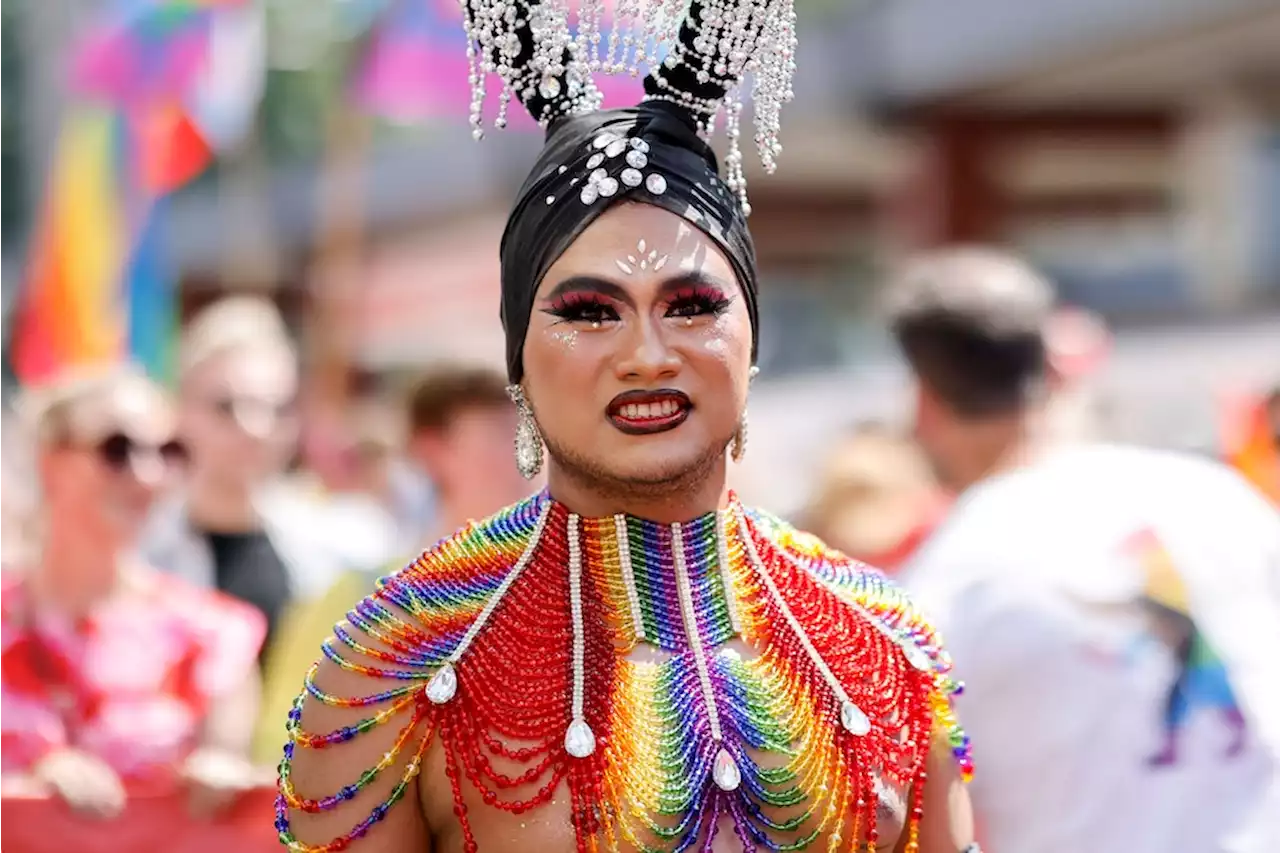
(117, 680)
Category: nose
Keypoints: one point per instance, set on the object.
(149, 468)
(647, 357)
(258, 421)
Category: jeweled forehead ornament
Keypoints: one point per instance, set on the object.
(616, 162)
(644, 259)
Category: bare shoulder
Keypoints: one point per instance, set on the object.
(355, 743)
(946, 821)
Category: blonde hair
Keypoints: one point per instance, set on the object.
(234, 323)
(46, 417)
(47, 411)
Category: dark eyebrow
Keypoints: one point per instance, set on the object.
(605, 287)
(693, 278)
(590, 284)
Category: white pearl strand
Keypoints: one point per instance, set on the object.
(579, 740)
(722, 557)
(916, 657)
(443, 684)
(629, 575)
(736, 37)
(725, 770)
(851, 716)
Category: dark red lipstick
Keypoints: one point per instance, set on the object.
(649, 412)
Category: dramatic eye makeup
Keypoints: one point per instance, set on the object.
(586, 299)
(582, 306)
(698, 300)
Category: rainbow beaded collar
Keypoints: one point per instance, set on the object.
(517, 629)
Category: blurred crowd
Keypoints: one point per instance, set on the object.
(171, 569)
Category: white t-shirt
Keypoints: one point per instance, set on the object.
(1070, 593)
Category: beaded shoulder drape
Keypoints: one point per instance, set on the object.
(517, 630)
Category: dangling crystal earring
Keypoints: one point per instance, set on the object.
(738, 448)
(528, 437)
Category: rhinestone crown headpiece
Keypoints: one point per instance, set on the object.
(697, 55)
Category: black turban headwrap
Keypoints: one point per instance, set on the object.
(549, 213)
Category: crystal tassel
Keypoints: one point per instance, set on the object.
(443, 685)
(579, 740)
(851, 716)
(853, 719)
(725, 771)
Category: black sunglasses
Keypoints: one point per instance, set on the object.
(118, 451)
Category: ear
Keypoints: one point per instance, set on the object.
(927, 406)
(426, 445)
(1056, 379)
(51, 466)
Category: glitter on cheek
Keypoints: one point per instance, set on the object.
(722, 335)
(567, 339)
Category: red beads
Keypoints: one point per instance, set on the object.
(503, 730)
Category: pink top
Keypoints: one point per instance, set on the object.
(131, 683)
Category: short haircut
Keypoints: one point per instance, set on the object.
(446, 389)
(231, 324)
(971, 322)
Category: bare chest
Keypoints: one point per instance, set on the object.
(549, 828)
(650, 791)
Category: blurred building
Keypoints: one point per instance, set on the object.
(1132, 148)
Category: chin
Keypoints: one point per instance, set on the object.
(123, 521)
(642, 462)
(662, 462)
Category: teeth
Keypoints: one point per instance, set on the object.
(646, 411)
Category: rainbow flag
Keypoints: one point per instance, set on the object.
(71, 314)
(96, 288)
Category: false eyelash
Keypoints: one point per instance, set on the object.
(582, 307)
(705, 300)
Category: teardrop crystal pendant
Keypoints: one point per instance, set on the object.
(579, 740)
(443, 685)
(853, 719)
(725, 771)
(917, 656)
